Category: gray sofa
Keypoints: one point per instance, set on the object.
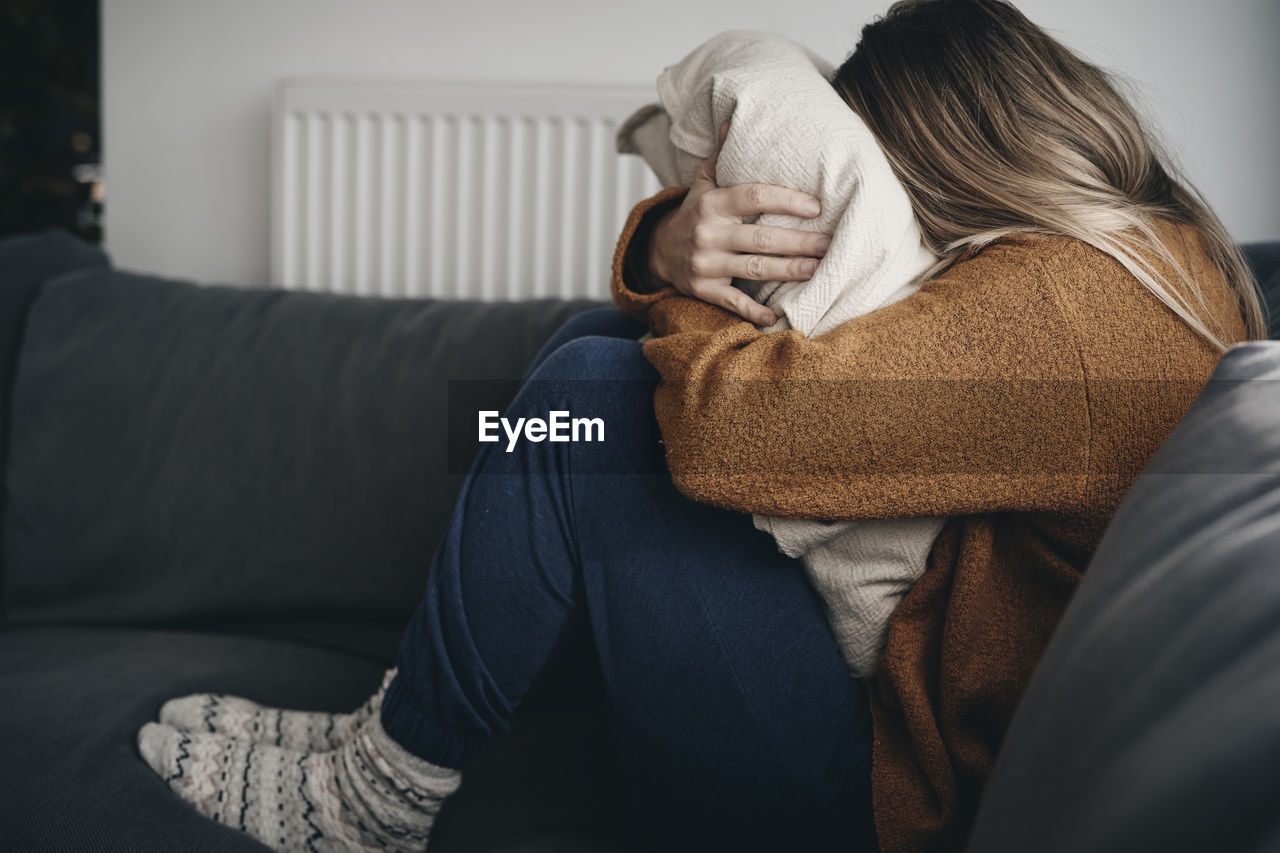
(212, 488)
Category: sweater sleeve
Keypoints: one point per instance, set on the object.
(628, 295)
(967, 397)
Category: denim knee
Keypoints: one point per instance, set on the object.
(592, 403)
(597, 358)
(606, 321)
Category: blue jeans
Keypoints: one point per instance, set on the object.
(731, 708)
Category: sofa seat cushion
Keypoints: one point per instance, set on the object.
(72, 700)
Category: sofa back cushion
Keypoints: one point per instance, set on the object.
(1151, 722)
(27, 262)
(1264, 260)
(226, 456)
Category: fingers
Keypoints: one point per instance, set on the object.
(767, 240)
(766, 268)
(713, 264)
(752, 199)
(732, 299)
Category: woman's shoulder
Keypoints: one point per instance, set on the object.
(1017, 274)
(1115, 318)
(1019, 258)
(1032, 254)
(1033, 264)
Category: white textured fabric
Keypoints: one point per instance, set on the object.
(861, 569)
(789, 127)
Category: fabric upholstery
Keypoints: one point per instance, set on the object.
(74, 698)
(1264, 259)
(1150, 723)
(145, 405)
(215, 455)
(26, 263)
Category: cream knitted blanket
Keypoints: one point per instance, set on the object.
(789, 127)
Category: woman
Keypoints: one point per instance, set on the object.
(1083, 299)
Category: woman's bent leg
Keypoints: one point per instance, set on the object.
(731, 705)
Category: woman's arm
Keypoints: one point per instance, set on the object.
(967, 397)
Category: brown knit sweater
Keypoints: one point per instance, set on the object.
(1020, 393)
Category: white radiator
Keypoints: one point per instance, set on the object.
(450, 190)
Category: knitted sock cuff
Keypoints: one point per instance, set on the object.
(404, 723)
(417, 771)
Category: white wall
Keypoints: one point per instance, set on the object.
(187, 86)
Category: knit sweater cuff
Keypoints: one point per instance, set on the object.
(630, 268)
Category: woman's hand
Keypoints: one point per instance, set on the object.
(701, 246)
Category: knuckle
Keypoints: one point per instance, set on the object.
(755, 266)
(756, 195)
(760, 239)
(698, 265)
(701, 235)
(702, 205)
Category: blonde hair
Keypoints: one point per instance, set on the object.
(996, 129)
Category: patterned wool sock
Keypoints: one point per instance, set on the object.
(370, 794)
(306, 731)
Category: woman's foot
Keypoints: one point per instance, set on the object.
(369, 794)
(306, 731)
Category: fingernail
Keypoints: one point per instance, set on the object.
(824, 243)
(769, 319)
(809, 267)
(812, 208)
